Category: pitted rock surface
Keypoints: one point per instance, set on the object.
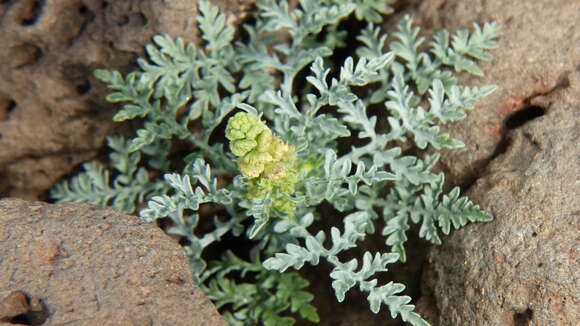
(538, 48)
(522, 268)
(53, 113)
(76, 264)
(520, 163)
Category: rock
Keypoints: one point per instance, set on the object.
(522, 268)
(53, 113)
(13, 305)
(522, 156)
(83, 265)
(539, 46)
(18, 309)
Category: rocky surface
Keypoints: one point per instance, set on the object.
(75, 264)
(52, 111)
(538, 48)
(520, 164)
(521, 269)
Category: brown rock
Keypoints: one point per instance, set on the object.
(53, 113)
(18, 309)
(13, 305)
(522, 268)
(81, 265)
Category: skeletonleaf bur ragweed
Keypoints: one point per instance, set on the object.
(265, 160)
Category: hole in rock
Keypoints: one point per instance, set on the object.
(25, 54)
(523, 318)
(7, 106)
(83, 87)
(523, 116)
(83, 10)
(123, 20)
(87, 16)
(30, 12)
(138, 19)
(76, 74)
(501, 148)
(133, 20)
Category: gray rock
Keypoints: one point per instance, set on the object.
(522, 268)
(520, 164)
(76, 264)
(539, 46)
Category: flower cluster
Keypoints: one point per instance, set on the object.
(265, 160)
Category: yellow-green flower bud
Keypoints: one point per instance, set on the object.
(253, 163)
(264, 140)
(268, 163)
(241, 147)
(261, 153)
